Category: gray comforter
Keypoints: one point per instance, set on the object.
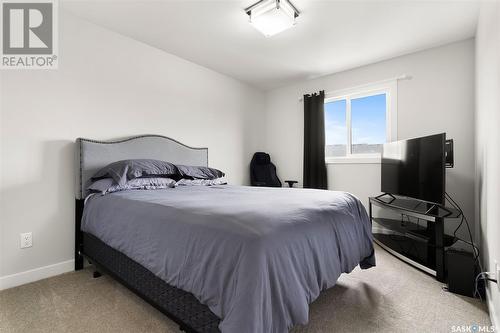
(256, 256)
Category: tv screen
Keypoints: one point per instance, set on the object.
(415, 168)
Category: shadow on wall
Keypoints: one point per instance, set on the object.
(482, 220)
(44, 205)
(455, 185)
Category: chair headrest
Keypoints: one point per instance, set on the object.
(261, 158)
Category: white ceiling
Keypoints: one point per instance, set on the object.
(330, 36)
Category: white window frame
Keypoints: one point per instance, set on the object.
(390, 91)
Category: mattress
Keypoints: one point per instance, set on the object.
(255, 256)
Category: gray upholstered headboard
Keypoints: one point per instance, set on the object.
(92, 155)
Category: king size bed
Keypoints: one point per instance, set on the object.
(217, 258)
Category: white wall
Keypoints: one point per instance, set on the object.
(488, 142)
(439, 98)
(106, 86)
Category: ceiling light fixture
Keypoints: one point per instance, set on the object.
(272, 16)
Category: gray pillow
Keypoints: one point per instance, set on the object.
(108, 185)
(123, 171)
(199, 172)
(203, 182)
(101, 185)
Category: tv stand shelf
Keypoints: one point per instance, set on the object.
(420, 244)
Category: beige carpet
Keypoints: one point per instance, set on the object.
(393, 297)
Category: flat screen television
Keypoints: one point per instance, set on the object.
(415, 168)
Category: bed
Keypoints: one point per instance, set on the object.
(217, 258)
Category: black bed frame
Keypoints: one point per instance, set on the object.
(180, 306)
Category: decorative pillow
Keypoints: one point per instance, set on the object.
(123, 171)
(199, 172)
(204, 182)
(108, 185)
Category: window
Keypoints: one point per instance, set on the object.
(358, 122)
(335, 128)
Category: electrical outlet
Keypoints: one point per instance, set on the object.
(26, 240)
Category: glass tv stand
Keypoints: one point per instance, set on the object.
(417, 235)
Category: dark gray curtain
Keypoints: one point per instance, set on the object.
(314, 141)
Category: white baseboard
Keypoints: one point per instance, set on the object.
(36, 274)
(491, 309)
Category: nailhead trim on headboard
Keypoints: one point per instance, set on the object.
(80, 140)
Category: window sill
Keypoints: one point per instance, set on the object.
(353, 160)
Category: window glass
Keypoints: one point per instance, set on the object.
(368, 123)
(335, 128)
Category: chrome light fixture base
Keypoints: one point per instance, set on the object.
(271, 17)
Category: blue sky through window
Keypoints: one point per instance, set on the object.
(368, 120)
(335, 126)
(368, 125)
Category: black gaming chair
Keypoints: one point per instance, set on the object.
(263, 171)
